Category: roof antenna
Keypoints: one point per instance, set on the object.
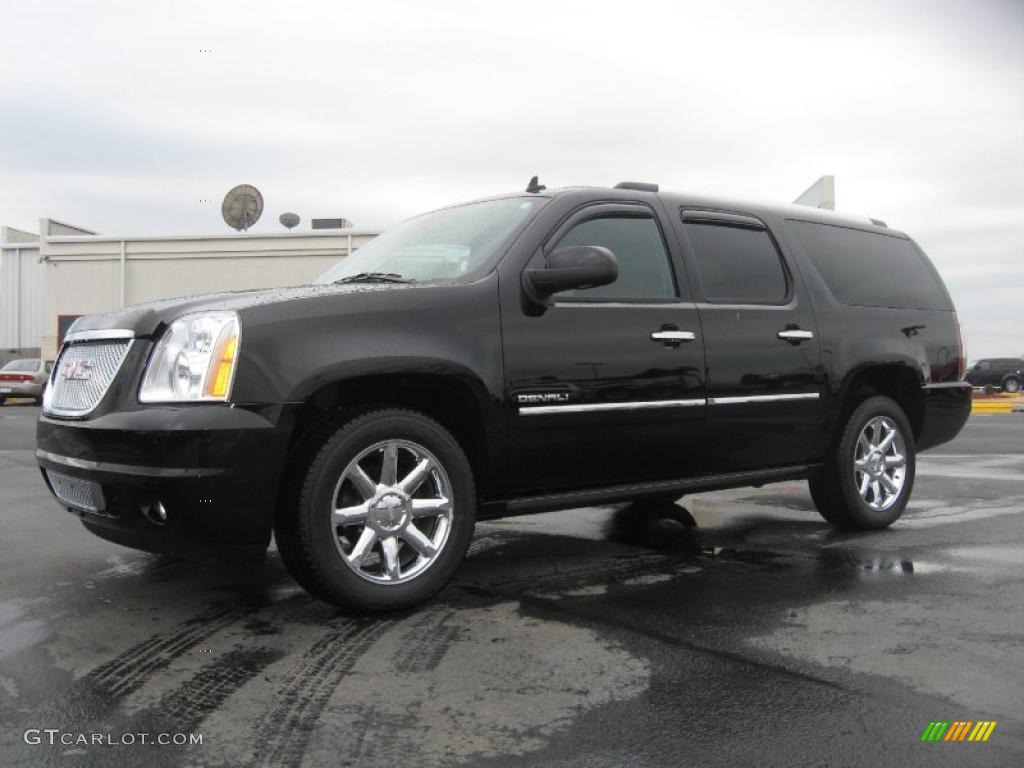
(535, 186)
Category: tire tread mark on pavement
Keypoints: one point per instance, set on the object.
(98, 691)
(128, 671)
(421, 649)
(284, 732)
(188, 705)
(425, 644)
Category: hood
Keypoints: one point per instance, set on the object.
(149, 318)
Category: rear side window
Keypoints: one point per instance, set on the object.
(737, 264)
(868, 269)
(644, 270)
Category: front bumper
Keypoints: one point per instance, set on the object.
(215, 469)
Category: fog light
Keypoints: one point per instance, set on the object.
(156, 513)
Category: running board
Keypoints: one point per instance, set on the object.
(628, 492)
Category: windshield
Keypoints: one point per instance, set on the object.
(443, 245)
(24, 366)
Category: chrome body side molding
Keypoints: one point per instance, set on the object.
(539, 410)
(597, 407)
(742, 399)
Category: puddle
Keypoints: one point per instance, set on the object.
(18, 630)
(1002, 555)
(948, 515)
(867, 565)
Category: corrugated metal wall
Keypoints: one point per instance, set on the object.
(21, 297)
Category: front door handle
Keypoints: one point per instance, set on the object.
(673, 337)
(795, 335)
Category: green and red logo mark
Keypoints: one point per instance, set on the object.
(958, 730)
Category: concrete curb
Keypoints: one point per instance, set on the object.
(992, 408)
(997, 404)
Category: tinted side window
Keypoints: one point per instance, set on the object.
(737, 264)
(869, 269)
(644, 269)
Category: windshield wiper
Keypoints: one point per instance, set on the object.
(375, 277)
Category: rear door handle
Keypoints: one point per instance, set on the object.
(795, 334)
(673, 337)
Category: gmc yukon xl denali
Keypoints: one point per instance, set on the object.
(536, 351)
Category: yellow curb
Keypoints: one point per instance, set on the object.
(981, 407)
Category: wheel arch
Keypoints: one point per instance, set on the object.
(900, 381)
(451, 395)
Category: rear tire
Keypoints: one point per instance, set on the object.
(868, 479)
(381, 516)
(1011, 385)
(3, 400)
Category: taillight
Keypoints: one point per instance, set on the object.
(15, 377)
(961, 360)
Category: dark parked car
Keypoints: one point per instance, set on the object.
(536, 351)
(1007, 373)
(24, 378)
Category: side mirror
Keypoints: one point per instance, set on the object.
(575, 266)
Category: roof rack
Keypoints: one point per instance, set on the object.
(639, 186)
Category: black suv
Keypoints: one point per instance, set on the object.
(530, 352)
(1007, 373)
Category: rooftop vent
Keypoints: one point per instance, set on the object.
(331, 223)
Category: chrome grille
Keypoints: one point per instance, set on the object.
(73, 491)
(83, 374)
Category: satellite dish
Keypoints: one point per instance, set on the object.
(289, 220)
(242, 207)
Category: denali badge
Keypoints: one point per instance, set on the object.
(545, 397)
(79, 370)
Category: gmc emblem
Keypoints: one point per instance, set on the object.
(79, 370)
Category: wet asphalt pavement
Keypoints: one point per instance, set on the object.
(621, 636)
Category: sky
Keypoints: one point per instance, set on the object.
(125, 117)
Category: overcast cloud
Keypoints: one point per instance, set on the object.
(111, 118)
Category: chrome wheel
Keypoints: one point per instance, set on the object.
(389, 530)
(1012, 386)
(880, 463)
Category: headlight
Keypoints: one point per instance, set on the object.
(194, 359)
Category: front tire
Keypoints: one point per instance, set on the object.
(1011, 385)
(869, 476)
(382, 516)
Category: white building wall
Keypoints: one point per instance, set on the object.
(21, 293)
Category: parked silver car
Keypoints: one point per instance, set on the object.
(24, 378)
